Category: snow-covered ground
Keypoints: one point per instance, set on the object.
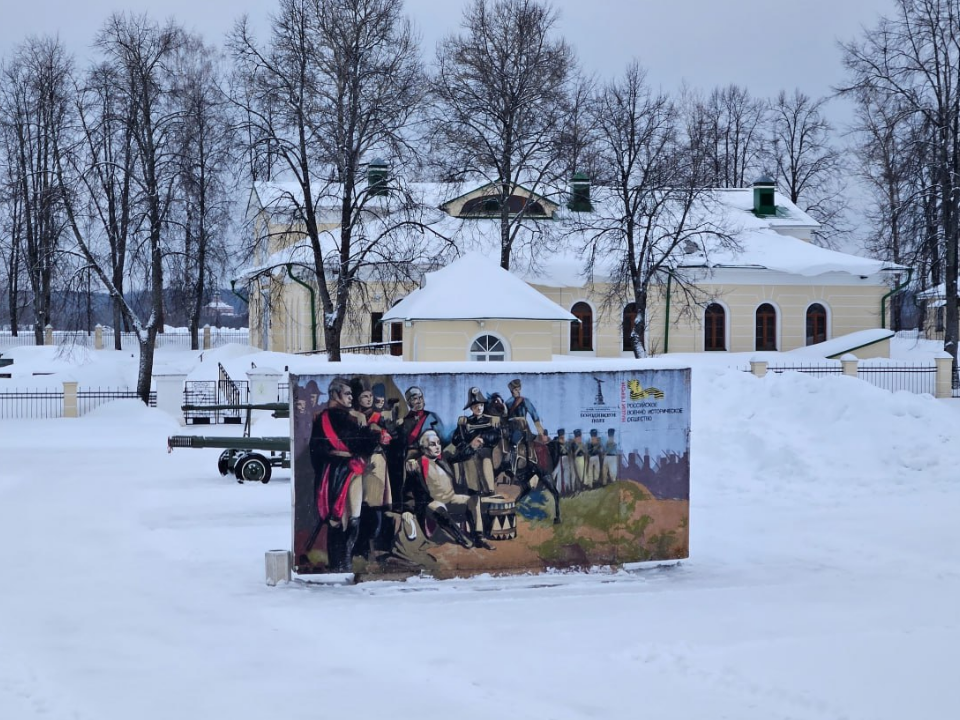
(823, 582)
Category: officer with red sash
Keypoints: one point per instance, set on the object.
(340, 442)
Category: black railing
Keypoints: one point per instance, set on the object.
(815, 369)
(31, 404)
(215, 392)
(88, 400)
(393, 347)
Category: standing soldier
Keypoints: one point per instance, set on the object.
(611, 459)
(578, 460)
(340, 442)
(377, 494)
(518, 412)
(594, 459)
(561, 462)
(482, 433)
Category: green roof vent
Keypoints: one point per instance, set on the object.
(764, 204)
(580, 193)
(377, 172)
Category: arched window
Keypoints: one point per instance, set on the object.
(629, 318)
(715, 327)
(816, 324)
(488, 348)
(486, 205)
(581, 333)
(766, 327)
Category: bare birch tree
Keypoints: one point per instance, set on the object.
(912, 57)
(500, 92)
(655, 208)
(807, 166)
(141, 52)
(206, 147)
(336, 87)
(34, 97)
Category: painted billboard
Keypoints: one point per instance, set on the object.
(462, 473)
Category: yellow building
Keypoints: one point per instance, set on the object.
(765, 287)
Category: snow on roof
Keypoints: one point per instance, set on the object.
(762, 244)
(844, 344)
(767, 249)
(474, 287)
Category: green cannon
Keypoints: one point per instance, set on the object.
(245, 457)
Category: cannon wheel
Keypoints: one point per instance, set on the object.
(223, 464)
(252, 468)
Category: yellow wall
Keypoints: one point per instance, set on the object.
(450, 340)
(849, 309)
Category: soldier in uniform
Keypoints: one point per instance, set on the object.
(594, 460)
(340, 442)
(521, 413)
(482, 433)
(561, 462)
(429, 492)
(611, 459)
(313, 398)
(578, 461)
(417, 421)
(377, 495)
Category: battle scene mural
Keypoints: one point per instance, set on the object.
(464, 473)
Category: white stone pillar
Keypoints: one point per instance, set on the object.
(170, 393)
(48, 335)
(758, 367)
(264, 385)
(849, 364)
(98, 337)
(70, 405)
(207, 340)
(944, 375)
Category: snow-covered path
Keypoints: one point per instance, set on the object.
(824, 583)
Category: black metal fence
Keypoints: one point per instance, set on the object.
(911, 378)
(890, 375)
(214, 392)
(815, 369)
(31, 404)
(88, 400)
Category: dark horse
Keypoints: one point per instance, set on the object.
(518, 457)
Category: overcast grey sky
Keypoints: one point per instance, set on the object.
(764, 45)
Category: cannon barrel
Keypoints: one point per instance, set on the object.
(276, 444)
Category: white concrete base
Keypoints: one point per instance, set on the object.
(278, 565)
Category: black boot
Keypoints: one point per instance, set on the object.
(480, 542)
(353, 531)
(452, 529)
(335, 549)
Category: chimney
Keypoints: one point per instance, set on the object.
(580, 193)
(377, 172)
(763, 196)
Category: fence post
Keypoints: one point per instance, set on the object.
(70, 407)
(170, 393)
(48, 335)
(758, 367)
(98, 337)
(207, 341)
(849, 364)
(944, 375)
